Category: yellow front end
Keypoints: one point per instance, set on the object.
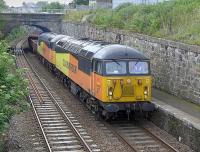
(40, 48)
(62, 62)
(126, 89)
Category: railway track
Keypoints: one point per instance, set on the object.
(60, 129)
(138, 138)
(134, 136)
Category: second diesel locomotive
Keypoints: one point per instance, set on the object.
(109, 78)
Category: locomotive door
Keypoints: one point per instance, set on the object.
(97, 79)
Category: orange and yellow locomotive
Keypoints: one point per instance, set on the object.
(109, 78)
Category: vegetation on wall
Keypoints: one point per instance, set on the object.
(81, 2)
(13, 87)
(2, 5)
(76, 16)
(16, 34)
(52, 6)
(175, 19)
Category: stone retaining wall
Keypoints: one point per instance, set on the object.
(175, 66)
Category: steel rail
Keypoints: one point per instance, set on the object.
(61, 110)
(33, 84)
(114, 131)
(34, 109)
(134, 146)
(38, 119)
(164, 143)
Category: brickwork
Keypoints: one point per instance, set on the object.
(175, 66)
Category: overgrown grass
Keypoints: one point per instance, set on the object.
(75, 16)
(13, 87)
(176, 19)
(16, 34)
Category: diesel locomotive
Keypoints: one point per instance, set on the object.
(109, 78)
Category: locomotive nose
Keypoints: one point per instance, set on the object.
(133, 89)
(115, 89)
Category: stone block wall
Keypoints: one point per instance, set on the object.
(175, 66)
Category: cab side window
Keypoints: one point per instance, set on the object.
(60, 43)
(84, 65)
(98, 67)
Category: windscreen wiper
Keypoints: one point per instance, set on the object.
(116, 62)
(137, 62)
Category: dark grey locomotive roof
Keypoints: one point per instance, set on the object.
(46, 37)
(60, 45)
(116, 51)
(92, 49)
(55, 40)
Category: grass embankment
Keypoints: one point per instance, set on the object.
(176, 19)
(13, 87)
(15, 35)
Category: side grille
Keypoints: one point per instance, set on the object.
(128, 90)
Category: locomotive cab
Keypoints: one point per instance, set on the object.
(127, 78)
(122, 79)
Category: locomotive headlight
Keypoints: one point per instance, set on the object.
(145, 91)
(128, 81)
(110, 91)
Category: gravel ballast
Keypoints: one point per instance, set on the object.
(24, 134)
(101, 135)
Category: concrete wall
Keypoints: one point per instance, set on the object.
(178, 124)
(175, 66)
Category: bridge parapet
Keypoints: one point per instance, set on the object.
(44, 21)
(20, 10)
(31, 16)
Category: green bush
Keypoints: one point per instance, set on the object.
(13, 88)
(76, 16)
(53, 6)
(176, 19)
(16, 34)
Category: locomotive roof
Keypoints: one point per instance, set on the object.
(92, 49)
(116, 51)
(46, 37)
(105, 51)
(57, 38)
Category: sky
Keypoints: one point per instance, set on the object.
(16, 3)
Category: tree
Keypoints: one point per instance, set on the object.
(53, 6)
(42, 4)
(81, 2)
(2, 5)
(13, 87)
